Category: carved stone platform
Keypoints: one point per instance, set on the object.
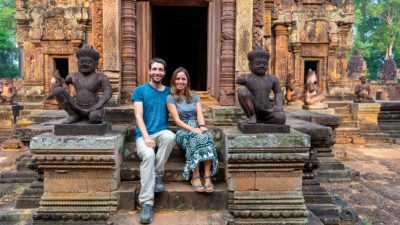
(315, 107)
(80, 175)
(264, 176)
(82, 128)
(363, 101)
(258, 128)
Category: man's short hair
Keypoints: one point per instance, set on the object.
(158, 60)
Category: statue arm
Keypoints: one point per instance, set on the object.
(68, 79)
(276, 88)
(241, 80)
(107, 93)
(13, 92)
(357, 89)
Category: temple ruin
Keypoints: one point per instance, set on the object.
(209, 38)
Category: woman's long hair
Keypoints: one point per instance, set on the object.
(187, 92)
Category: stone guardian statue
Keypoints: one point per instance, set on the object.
(363, 91)
(87, 82)
(7, 91)
(254, 96)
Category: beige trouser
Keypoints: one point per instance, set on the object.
(152, 164)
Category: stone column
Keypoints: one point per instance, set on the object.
(143, 41)
(227, 75)
(244, 32)
(129, 33)
(297, 66)
(112, 45)
(264, 176)
(80, 175)
(281, 38)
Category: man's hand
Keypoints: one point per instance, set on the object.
(277, 109)
(150, 143)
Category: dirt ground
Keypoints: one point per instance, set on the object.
(376, 197)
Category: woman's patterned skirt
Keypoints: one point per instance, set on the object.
(198, 148)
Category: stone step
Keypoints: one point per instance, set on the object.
(376, 138)
(11, 216)
(130, 171)
(177, 196)
(338, 104)
(347, 131)
(168, 217)
(17, 176)
(46, 116)
(350, 124)
(25, 112)
(340, 111)
(30, 105)
(333, 176)
(348, 117)
(30, 98)
(177, 154)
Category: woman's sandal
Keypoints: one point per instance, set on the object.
(209, 188)
(197, 187)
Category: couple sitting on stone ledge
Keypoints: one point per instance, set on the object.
(154, 141)
(153, 101)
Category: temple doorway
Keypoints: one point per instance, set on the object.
(179, 35)
(61, 64)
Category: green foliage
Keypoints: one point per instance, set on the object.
(377, 27)
(8, 47)
(366, 221)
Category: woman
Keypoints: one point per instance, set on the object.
(192, 135)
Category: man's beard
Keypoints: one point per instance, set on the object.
(156, 81)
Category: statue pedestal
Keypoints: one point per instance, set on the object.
(258, 128)
(82, 128)
(264, 174)
(80, 175)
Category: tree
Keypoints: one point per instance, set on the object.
(377, 32)
(8, 47)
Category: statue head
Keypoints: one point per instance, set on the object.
(311, 77)
(363, 79)
(258, 61)
(88, 59)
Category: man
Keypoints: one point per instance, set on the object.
(254, 97)
(87, 82)
(152, 131)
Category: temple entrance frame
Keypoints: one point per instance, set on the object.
(145, 39)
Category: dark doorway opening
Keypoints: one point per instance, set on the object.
(180, 38)
(313, 65)
(61, 64)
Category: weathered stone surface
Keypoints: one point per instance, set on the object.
(258, 128)
(82, 128)
(80, 175)
(264, 175)
(8, 117)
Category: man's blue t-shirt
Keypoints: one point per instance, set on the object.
(155, 114)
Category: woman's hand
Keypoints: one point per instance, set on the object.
(196, 130)
(203, 129)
